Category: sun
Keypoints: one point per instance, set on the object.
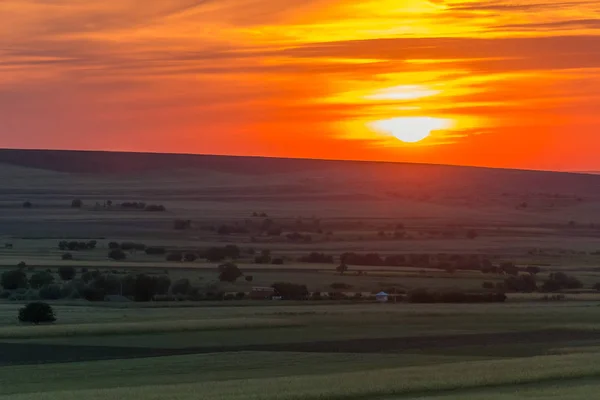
(410, 129)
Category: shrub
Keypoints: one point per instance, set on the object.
(114, 245)
(108, 283)
(93, 294)
(117, 255)
(27, 204)
(12, 280)
(40, 279)
(228, 296)
(182, 286)
(190, 257)
(315, 257)
(277, 261)
(521, 283)
(37, 313)
(240, 295)
(77, 203)
(488, 285)
(422, 296)
(215, 254)
(163, 283)
(559, 281)
(67, 256)
(182, 224)
(229, 272)
(156, 251)
(129, 246)
(596, 287)
(155, 208)
(67, 273)
(92, 244)
(341, 268)
(250, 278)
(51, 292)
(232, 251)
(177, 257)
(89, 276)
(290, 291)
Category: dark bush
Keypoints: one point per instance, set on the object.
(108, 283)
(77, 203)
(114, 245)
(51, 292)
(488, 285)
(182, 286)
(40, 279)
(232, 251)
(533, 270)
(117, 255)
(156, 251)
(89, 276)
(176, 257)
(240, 295)
(93, 294)
(155, 208)
(277, 261)
(163, 283)
(559, 281)
(319, 258)
(27, 204)
(229, 272)
(182, 224)
(249, 278)
(521, 283)
(422, 296)
(67, 273)
(37, 313)
(12, 280)
(215, 254)
(290, 291)
(144, 288)
(129, 246)
(372, 259)
(190, 257)
(342, 268)
(92, 244)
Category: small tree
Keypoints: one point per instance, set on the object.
(229, 272)
(117, 255)
(27, 204)
(76, 203)
(37, 313)
(67, 256)
(182, 286)
(250, 278)
(67, 273)
(342, 268)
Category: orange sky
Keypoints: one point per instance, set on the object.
(510, 83)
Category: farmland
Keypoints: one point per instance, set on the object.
(406, 228)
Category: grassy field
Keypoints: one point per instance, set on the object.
(526, 348)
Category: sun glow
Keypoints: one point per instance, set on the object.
(410, 129)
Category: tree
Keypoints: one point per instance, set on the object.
(250, 278)
(182, 224)
(12, 280)
(190, 257)
(76, 203)
(117, 255)
(114, 245)
(163, 283)
(533, 270)
(229, 272)
(27, 204)
(175, 257)
(36, 313)
(51, 292)
(144, 288)
(342, 268)
(92, 244)
(40, 279)
(67, 256)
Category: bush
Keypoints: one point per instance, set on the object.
(277, 261)
(155, 208)
(176, 257)
(341, 268)
(40, 279)
(250, 278)
(67, 273)
(37, 313)
(190, 257)
(240, 295)
(156, 251)
(317, 258)
(90, 276)
(27, 204)
(229, 272)
(488, 285)
(596, 287)
(51, 292)
(114, 245)
(117, 255)
(77, 203)
(12, 280)
(182, 224)
(129, 246)
(232, 251)
(93, 294)
(559, 281)
(182, 286)
(290, 291)
(67, 256)
(521, 283)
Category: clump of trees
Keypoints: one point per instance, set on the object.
(298, 237)
(15, 279)
(290, 291)
(77, 203)
(427, 296)
(229, 272)
(559, 281)
(67, 273)
(117, 255)
(37, 313)
(77, 245)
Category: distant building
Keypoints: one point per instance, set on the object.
(262, 293)
(382, 297)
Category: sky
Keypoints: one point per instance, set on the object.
(499, 83)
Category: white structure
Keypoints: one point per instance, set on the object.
(382, 297)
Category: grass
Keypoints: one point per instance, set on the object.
(369, 384)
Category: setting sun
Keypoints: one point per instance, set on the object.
(410, 129)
